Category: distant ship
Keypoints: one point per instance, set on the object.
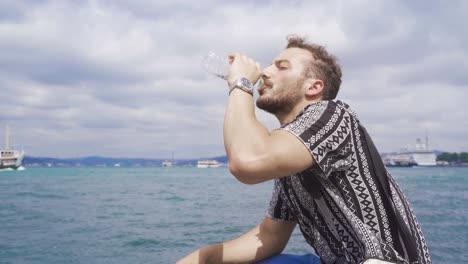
(422, 155)
(419, 155)
(10, 159)
(208, 164)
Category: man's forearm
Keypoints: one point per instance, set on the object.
(265, 240)
(248, 248)
(209, 254)
(251, 247)
(244, 136)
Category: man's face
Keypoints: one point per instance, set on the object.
(284, 81)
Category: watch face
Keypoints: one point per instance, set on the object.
(243, 84)
(246, 84)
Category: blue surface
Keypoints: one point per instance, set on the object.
(156, 215)
(292, 259)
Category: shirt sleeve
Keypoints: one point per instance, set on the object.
(278, 209)
(325, 129)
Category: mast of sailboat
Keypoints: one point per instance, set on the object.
(7, 139)
(427, 140)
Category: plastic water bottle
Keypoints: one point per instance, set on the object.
(219, 67)
(216, 65)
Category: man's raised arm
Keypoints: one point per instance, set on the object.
(254, 154)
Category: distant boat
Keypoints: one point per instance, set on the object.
(10, 159)
(419, 155)
(422, 155)
(208, 164)
(168, 163)
(399, 160)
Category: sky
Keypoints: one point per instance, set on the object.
(121, 78)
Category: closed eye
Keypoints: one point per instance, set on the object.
(282, 64)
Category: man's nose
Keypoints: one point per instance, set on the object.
(266, 72)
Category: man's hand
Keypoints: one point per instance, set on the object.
(243, 66)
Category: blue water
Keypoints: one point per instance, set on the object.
(158, 215)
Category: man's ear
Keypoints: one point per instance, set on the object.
(314, 87)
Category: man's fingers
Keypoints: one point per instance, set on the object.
(243, 58)
(232, 57)
(243, 66)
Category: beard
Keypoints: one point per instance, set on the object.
(281, 99)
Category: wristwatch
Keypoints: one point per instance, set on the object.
(242, 83)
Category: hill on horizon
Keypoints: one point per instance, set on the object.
(109, 162)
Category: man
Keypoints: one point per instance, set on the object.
(329, 178)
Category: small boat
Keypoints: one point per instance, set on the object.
(399, 160)
(168, 163)
(10, 159)
(208, 164)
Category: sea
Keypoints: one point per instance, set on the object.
(159, 215)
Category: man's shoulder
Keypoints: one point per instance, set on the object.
(343, 107)
(330, 106)
(327, 104)
(322, 116)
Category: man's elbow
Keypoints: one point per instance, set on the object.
(279, 249)
(243, 172)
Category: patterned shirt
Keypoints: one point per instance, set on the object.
(339, 204)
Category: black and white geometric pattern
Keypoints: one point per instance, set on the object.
(336, 203)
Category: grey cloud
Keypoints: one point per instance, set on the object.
(14, 11)
(57, 69)
(449, 69)
(10, 14)
(399, 32)
(123, 78)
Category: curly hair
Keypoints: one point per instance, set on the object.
(324, 66)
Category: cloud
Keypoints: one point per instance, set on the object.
(124, 78)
